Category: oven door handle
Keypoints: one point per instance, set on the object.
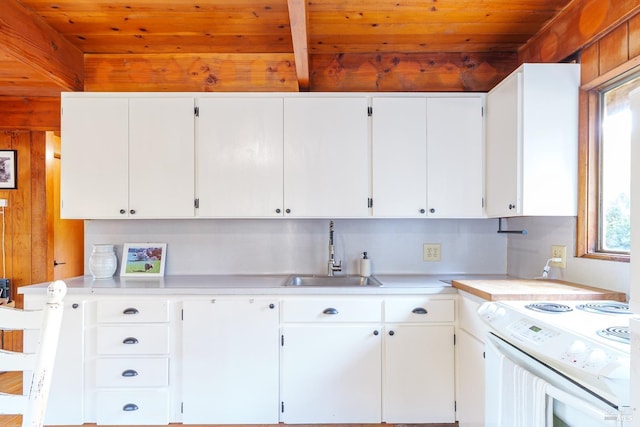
(574, 402)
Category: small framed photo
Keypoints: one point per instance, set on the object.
(8, 167)
(143, 259)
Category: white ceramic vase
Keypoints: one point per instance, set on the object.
(102, 262)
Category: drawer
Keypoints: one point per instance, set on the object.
(332, 310)
(419, 310)
(468, 318)
(139, 407)
(133, 339)
(129, 372)
(144, 311)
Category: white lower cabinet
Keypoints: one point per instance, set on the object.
(230, 361)
(418, 369)
(343, 362)
(128, 362)
(67, 384)
(470, 388)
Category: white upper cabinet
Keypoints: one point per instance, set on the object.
(161, 152)
(94, 176)
(399, 157)
(127, 157)
(455, 161)
(532, 142)
(428, 157)
(240, 157)
(326, 157)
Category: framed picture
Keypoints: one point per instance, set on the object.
(8, 166)
(143, 259)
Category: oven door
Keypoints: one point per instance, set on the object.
(521, 391)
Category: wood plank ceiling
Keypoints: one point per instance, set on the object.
(47, 46)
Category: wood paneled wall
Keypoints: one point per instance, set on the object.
(26, 221)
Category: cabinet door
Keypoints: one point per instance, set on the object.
(503, 144)
(399, 157)
(94, 154)
(455, 172)
(240, 155)
(470, 378)
(330, 374)
(419, 374)
(161, 157)
(66, 396)
(326, 157)
(230, 361)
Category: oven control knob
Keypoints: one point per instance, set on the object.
(597, 357)
(578, 347)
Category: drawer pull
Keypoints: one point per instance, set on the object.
(130, 310)
(419, 310)
(330, 310)
(130, 340)
(130, 373)
(130, 407)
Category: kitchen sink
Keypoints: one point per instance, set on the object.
(331, 281)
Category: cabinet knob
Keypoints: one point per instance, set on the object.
(272, 306)
(330, 310)
(130, 407)
(278, 210)
(422, 211)
(130, 310)
(512, 206)
(130, 340)
(419, 310)
(132, 211)
(75, 305)
(122, 211)
(375, 332)
(392, 333)
(130, 373)
(432, 210)
(287, 210)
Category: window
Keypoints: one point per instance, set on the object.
(607, 171)
(614, 232)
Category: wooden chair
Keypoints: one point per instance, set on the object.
(33, 404)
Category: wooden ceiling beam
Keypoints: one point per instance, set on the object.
(28, 38)
(578, 25)
(299, 25)
(40, 113)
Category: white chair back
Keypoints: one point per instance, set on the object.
(32, 404)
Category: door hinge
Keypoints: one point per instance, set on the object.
(454, 339)
(182, 407)
(182, 314)
(369, 202)
(369, 111)
(455, 406)
(484, 355)
(282, 340)
(196, 203)
(483, 202)
(282, 407)
(482, 111)
(196, 111)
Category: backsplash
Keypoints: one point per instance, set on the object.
(283, 246)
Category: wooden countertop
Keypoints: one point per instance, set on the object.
(535, 290)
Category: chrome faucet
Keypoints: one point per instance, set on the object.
(332, 265)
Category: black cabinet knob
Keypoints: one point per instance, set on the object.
(130, 373)
(392, 333)
(130, 340)
(132, 211)
(130, 407)
(375, 332)
(432, 210)
(272, 306)
(330, 310)
(278, 210)
(130, 310)
(512, 206)
(122, 211)
(75, 305)
(288, 210)
(422, 211)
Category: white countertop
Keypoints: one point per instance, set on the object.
(252, 284)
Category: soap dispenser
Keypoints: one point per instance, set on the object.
(365, 265)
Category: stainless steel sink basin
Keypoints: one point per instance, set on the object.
(331, 281)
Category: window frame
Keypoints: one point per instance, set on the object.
(587, 234)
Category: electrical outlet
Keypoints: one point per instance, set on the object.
(431, 252)
(559, 251)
